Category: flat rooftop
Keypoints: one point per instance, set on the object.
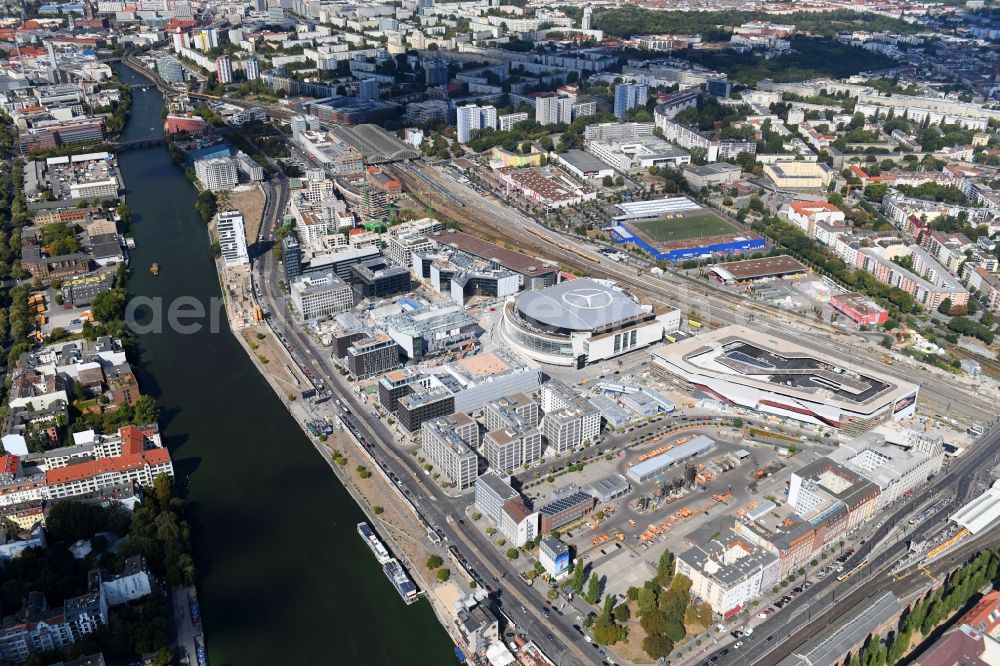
(755, 269)
(829, 649)
(769, 362)
(515, 261)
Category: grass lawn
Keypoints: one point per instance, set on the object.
(681, 228)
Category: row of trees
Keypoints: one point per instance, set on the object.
(801, 246)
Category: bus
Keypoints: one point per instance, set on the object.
(847, 574)
(694, 324)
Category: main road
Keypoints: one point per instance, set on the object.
(521, 602)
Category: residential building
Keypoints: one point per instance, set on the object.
(404, 239)
(629, 96)
(728, 572)
(368, 88)
(689, 138)
(507, 121)
(471, 118)
(217, 174)
(671, 105)
(929, 291)
(551, 108)
(37, 629)
(224, 69)
(251, 69)
(232, 238)
(249, 168)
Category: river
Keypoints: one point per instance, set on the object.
(283, 576)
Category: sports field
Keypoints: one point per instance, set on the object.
(677, 228)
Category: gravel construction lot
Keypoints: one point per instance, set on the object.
(251, 203)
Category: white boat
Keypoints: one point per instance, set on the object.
(374, 543)
(394, 572)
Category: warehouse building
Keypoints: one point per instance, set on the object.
(655, 466)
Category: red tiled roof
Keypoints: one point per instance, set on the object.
(8, 464)
(985, 615)
(809, 207)
(93, 468)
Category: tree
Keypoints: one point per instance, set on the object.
(109, 306)
(646, 599)
(619, 181)
(675, 631)
(622, 613)
(606, 632)
(654, 622)
(512, 554)
(593, 590)
(443, 575)
(607, 181)
(945, 306)
(657, 646)
(665, 568)
(579, 577)
(434, 561)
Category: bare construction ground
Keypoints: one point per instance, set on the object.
(251, 204)
(269, 352)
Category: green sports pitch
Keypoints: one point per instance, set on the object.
(697, 225)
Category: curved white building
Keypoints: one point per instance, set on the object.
(582, 321)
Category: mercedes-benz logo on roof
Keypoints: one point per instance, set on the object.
(587, 299)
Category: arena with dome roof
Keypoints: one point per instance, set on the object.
(583, 321)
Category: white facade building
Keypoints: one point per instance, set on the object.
(217, 174)
(232, 238)
(316, 297)
(470, 118)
